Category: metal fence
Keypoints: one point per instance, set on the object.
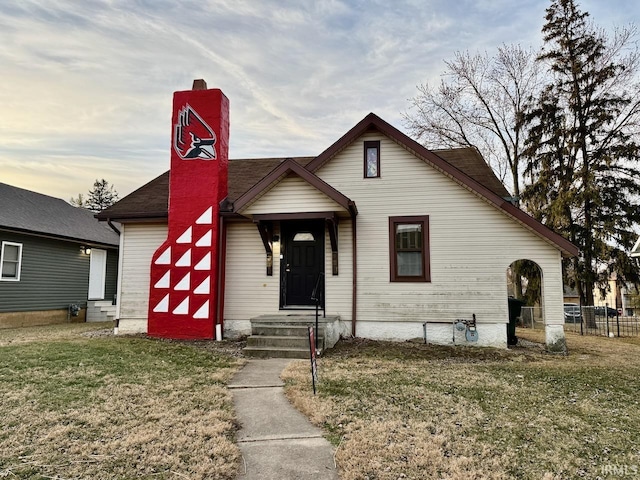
(532, 317)
(586, 321)
(601, 321)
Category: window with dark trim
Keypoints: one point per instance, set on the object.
(409, 249)
(372, 159)
(10, 261)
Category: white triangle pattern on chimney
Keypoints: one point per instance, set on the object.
(165, 281)
(206, 218)
(183, 308)
(163, 306)
(205, 263)
(203, 311)
(184, 284)
(204, 288)
(165, 258)
(186, 236)
(205, 241)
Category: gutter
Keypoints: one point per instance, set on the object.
(113, 227)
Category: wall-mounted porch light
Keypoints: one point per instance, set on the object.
(85, 250)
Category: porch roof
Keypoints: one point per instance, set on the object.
(289, 167)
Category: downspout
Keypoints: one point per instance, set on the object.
(116, 327)
(222, 263)
(354, 260)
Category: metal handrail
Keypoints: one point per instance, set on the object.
(317, 295)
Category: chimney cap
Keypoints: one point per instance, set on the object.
(199, 84)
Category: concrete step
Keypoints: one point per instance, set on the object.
(102, 303)
(295, 319)
(275, 352)
(282, 329)
(280, 342)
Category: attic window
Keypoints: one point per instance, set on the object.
(372, 159)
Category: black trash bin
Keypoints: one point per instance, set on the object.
(515, 307)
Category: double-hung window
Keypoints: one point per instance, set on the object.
(10, 261)
(409, 249)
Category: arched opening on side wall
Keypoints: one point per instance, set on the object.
(525, 291)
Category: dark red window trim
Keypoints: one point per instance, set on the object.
(367, 145)
(426, 268)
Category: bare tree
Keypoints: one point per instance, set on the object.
(481, 102)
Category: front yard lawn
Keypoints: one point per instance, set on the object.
(406, 410)
(78, 404)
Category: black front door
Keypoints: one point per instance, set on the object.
(302, 261)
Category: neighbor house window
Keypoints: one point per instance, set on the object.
(372, 159)
(10, 261)
(409, 249)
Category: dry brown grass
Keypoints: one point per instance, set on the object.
(415, 411)
(15, 336)
(91, 408)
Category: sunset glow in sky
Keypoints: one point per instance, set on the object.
(86, 86)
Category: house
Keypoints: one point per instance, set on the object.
(403, 241)
(619, 295)
(53, 257)
(571, 295)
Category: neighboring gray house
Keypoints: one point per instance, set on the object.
(53, 256)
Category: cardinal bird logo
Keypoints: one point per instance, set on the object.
(192, 137)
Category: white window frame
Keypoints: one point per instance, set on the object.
(19, 270)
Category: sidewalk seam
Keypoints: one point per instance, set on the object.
(273, 439)
(238, 387)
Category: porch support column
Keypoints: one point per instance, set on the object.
(332, 226)
(266, 234)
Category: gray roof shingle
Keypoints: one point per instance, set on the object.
(31, 212)
(151, 200)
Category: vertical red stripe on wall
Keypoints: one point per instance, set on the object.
(184, 270)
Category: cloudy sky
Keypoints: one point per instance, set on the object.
(86, 85)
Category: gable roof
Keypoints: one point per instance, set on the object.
(284, 169)
(465, 166)
(34, 213)
(151, 201)
(373, 122)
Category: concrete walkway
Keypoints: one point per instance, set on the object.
(276, 441)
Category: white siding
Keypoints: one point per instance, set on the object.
(139, 242)
(471, 242)
(249, 292)
(339, 288)
(292, 195)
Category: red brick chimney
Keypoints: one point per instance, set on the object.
(184, 282)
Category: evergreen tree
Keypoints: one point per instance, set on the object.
(582, 149)
(102, 196)
(78, 201)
